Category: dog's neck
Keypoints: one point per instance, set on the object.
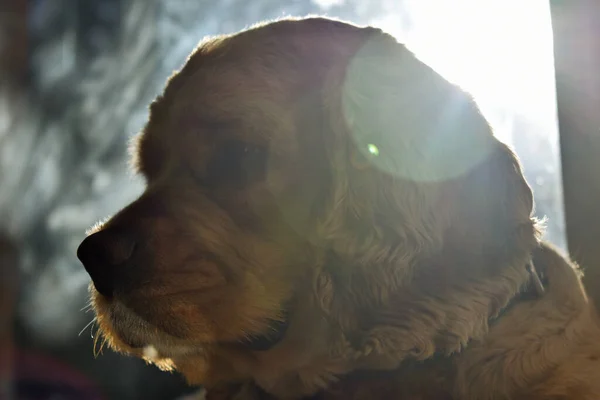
(433, 317)
(450, 301)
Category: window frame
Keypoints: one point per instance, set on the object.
(576, 31)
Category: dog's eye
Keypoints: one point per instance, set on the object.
(236, 163)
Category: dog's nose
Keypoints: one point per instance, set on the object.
(103, 254)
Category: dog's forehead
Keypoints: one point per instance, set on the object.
(269, 62)
(252, 86)
(249, 83)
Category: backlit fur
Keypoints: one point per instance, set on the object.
(380, 257)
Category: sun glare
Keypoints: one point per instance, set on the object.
(499, 50)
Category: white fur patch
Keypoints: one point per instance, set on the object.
(150, 353)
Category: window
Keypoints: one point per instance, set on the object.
(502, 53)
(499, 50)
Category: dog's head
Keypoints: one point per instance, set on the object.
(296, 172)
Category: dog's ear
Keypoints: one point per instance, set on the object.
(494, 208)
(414, 166)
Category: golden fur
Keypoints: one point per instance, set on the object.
(318, 168)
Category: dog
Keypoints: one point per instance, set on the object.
(320, 203)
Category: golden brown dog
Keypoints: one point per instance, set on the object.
(320, 202)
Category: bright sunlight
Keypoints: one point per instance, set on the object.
(500, 51)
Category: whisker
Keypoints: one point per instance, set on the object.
(87, 326)
(104, 340)
(95, 332)
(95, 346)
(87, 307)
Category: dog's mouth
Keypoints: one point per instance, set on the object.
(264, 342)
(145, 339)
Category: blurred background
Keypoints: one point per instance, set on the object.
(76, 78)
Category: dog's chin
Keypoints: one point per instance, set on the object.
(126, 332)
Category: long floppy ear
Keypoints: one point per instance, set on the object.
(416, 170)
(495, 206)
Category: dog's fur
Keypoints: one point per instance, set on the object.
(317, 171)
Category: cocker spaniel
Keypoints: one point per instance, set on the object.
(325, 215)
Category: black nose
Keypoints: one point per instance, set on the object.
(103, 254)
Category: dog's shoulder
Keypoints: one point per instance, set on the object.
(542, 345)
